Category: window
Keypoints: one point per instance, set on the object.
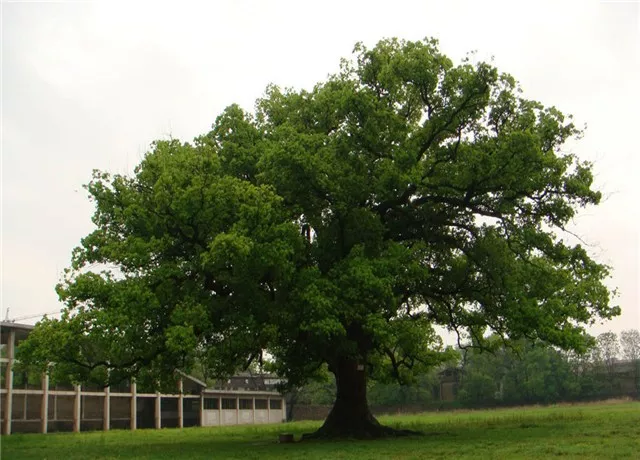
(261, 404)
(246, 404)
(276, 404)
(228, 403)
(210, 403)
(192, 404)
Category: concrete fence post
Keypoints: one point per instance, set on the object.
(180, 404)
(8, 402)
(76, 409)
(202, 409)
(106, 411)
(44, 406)
(134, 406)
(158, 411)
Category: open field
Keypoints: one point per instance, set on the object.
(604, 430)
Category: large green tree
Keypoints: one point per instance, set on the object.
(338, 225)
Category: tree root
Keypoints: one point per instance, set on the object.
(368, 431)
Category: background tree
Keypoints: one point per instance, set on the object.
(524, 372)
(319, 391)
(480, 382)
(630, 343)
(608, 350)
(585, 373)
(605, 356)
(424, 390)
(337, 226)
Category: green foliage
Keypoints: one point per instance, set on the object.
(536, 373)
(343, 222)
(423, 390)
(320, 390)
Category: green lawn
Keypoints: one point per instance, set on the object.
(582, 431)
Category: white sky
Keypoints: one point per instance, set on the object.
(90, 85)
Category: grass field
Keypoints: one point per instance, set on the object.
(604, 430)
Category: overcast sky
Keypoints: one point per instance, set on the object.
(90, 85)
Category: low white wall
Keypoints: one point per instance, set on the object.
(210, 418)
(246, 416)
(229, 417)
(262, 416)
(276, 416)
(215, 417)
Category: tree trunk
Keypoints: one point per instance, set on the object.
(350, 416)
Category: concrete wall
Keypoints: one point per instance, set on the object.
(276, 416)
(245, 416)
(262, 416)
(210, 417)
(229, 417)
(215, 417)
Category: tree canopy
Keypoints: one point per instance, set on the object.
(338, 225)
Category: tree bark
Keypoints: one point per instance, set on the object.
(350, 416)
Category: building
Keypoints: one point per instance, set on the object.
(249, 381)
(449, 382)
(40, 407)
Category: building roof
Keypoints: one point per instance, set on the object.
(21, 331)
(12, 325)
(247, 374)
(211, 391)
(193, 379)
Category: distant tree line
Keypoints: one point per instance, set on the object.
(520, 373)
(532, 373)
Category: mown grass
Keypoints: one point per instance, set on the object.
(581, 431)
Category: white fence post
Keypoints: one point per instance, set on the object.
(8, 402)
(181, 404)
(106, 415)
(158, 412)
(134, 406)
(44, 406)
(76, 409)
